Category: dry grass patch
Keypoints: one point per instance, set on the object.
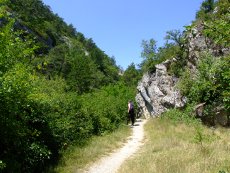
(179, 148)
(75, 158)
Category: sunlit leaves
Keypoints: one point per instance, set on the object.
(211, 84)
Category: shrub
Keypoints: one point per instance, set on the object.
(63, 111)
(21, 124)
(210, 84)
(107, 107)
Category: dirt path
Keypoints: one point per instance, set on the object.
(111, 163)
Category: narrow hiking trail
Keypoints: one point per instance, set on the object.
(111, 163)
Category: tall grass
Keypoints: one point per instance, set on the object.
(75, 159)
(177, 147)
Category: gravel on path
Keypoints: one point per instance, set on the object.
(111, 163)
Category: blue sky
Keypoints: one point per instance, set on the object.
(119, 26)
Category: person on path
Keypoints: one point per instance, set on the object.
(131, 114)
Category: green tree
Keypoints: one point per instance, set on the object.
(149, 55)
(206, 8)
(217, 28)
(84, 75)
(104, 63)
(149, 49)
(131, 75)
(176, 36)
(175, 47)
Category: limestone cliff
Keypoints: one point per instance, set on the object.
(157, 92)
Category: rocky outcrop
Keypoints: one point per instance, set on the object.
(49, 42)
(157, 92)
(198, 43)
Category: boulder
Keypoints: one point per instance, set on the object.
(157, 92)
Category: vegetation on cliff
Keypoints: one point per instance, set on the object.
(203, 69)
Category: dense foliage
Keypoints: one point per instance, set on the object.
(211, 83)
(57, 88)
(105, 108)
(215, 17)
(131, 75)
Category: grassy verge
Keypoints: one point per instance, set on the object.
(178, 148)
(75, 159)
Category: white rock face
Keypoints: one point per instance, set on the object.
(157, 92)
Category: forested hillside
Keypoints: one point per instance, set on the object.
(57, 88)
(61, 42)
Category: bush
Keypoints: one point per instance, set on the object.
(210, 84)
(38, 118)
(184, 116)
(212, 81)
(107, 107)
(63, 111)
(21, 124)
